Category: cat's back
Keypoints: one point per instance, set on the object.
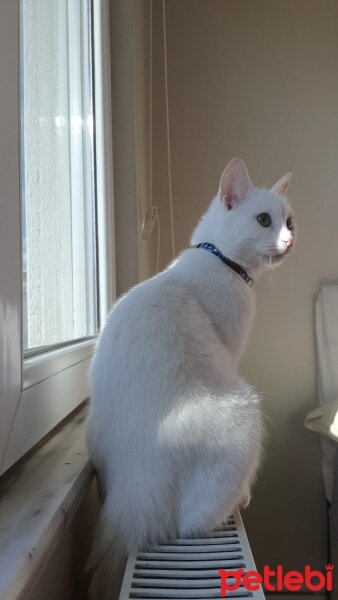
(155, 336)
(145, 312)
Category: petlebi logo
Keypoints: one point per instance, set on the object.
(276, 579)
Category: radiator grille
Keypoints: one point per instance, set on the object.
(187, 569)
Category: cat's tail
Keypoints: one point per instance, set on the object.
(127, 522)
(106, 563)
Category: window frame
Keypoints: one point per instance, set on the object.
(38, 391)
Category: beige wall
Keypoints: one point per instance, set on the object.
(259, 80)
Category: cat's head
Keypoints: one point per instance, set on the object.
(252, 226)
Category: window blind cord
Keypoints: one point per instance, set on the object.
(151, 133)
(150, 116)
(166, 93)
(152, 216)
(158, 242)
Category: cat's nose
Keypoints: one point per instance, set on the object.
(288, 243)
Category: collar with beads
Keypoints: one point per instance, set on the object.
(227, 261)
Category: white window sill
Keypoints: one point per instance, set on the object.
(38, 502)
(44, 365)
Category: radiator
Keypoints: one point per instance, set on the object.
(187, 569)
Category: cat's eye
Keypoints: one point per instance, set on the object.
(289, 224)
(264, 219)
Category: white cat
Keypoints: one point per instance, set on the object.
(174, 432)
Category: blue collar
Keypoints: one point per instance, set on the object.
(230, 263)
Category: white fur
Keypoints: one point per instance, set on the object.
(174, 431)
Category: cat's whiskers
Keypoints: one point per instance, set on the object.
(260, 265)
(269, 419)
(271, 269)
(296, 205)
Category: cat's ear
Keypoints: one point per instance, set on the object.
(281, 187)
(235, 183)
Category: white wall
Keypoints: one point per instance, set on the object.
(259, 80)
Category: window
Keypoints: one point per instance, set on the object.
(57, 172)
(56, 261)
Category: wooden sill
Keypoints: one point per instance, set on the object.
(37, 504)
